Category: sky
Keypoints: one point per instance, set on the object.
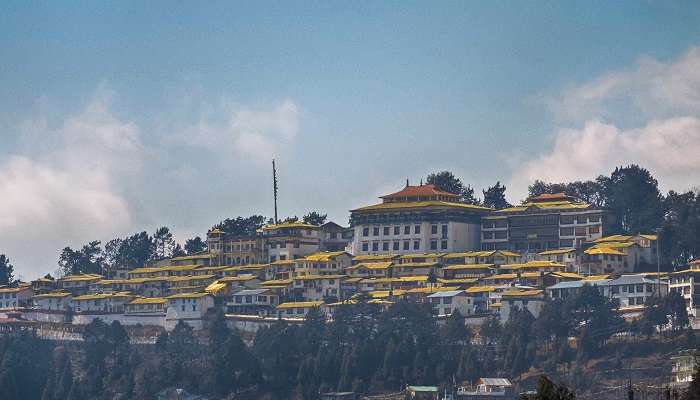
(118, 117)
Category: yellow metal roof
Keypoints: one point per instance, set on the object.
(148, 300)
(300, 304)
(215, 287)
(372, 265)
(238, 278)
(555, 252)
(521, 292)
(420, 205)
(83, 277)
(276, 282)
(52, 295)
(421, 255)
(284, 225)
(480, 289)
(459, 267)
(375, 257)
(188, 296)
(604, 250)
(317, 277)
(324, 256)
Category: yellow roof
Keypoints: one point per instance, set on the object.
(420, 204)
(82, 277)
(148, 300)
(604, 250)
(215, 287)
(276, 282)
(421, 255)
(324, 256)
(562, 274)
(459, 267)
(416, 265)
(372, 265)
(52, 295)
(188, 295)
(534, 264)
(480, 289)
(482, 253)
(283, 262)
(521, 292)
(546, 205)
(300, 304)
(457, 281)
(317, 277)
(413, 278)
(433, 289)
(596, 277)
(238, 278)
(380, 294)
(557, 251)
(375, 257)
(100, 296)
(283, 225)
(193, 257)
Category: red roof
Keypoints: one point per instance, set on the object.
(551, 197)
(416, 191)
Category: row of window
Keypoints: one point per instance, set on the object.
(404, 245)
(630, 288)
(387, 230)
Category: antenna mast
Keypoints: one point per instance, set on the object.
(274, 186)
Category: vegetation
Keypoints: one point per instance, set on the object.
(448, 182)
(7, 276)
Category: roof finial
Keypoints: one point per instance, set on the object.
(421, 181)
(406, 182)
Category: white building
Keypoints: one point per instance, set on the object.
(446, 303)
(531, 300)
(298, 309)
(417, 219)
(684, 283)
(291, 240)
(187, 307)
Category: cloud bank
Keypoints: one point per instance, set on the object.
(648, 115)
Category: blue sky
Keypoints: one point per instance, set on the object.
(123, 116)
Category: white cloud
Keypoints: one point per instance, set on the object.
(664, 99)
(250, 133)
(71, 193)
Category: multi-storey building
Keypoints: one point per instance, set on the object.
(547, 221)
(324, 263)
(290, 240)
(227, 249)
(335, 237)
(416, 219)
(687, 283)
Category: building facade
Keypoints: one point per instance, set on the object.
(544, 222)
(416, 219)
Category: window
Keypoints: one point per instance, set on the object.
(444, 231)
(581, 231)
(566, 220)
(406, 245)
(375, 246)
(416, 245)
(416, 229)
(447, 300)
(488, 235)
(386, 231)
(433, 229)
(566, 231)
(385, 246)
(375, 231)
(433, 245)
(407, 230)
(593, 229)
(581, 219)
(396, 245)
(365, 246)
(443, 244)
(296, 244)
(500, 234)
(397, 230)
(365, 231)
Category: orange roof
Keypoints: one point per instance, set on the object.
(419, 191)
(550, 197)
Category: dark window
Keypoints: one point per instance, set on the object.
(407, 230)
(397, 230)
(375, 231)
(443, 244)
(416, 245)
(365, 231)
(396, 245)
(385, 246)
(406, 245)
(433, 245)
(375, 246)
(386, 231)
(365, 246)
(433, 229)
(416, 230)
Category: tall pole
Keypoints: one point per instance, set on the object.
(658, 262)
(274, 186)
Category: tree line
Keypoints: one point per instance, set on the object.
(362, 349)
(632, 196)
